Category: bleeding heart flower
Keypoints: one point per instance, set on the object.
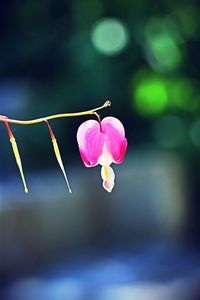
(102, 143)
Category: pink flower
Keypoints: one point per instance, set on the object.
(102, 143)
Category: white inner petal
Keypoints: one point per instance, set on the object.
(105, 159)
(108, 177)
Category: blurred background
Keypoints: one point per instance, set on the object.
(142, 241)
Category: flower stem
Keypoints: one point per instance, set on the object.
(64, 115)
(98, 117)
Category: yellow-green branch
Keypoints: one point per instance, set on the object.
(64, 115)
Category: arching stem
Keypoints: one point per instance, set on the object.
(64, 115)
(99, 119)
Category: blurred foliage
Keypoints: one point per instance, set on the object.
(71, 56)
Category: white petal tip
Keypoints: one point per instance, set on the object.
(109, 190)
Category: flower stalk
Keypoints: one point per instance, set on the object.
(6, 121)
(57, 116)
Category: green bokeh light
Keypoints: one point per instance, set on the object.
(150, 97)
(154, 94)
(195, 133)
(109, 36)
(170, 131)
(162, 50)
(183, 94)
(165, 52)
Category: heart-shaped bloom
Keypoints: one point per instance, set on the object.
(102, 143)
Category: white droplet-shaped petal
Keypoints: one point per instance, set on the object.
(108, 177)
(105, 159)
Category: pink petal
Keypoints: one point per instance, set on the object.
(90, 142)
(116, 142)
(122, 152)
